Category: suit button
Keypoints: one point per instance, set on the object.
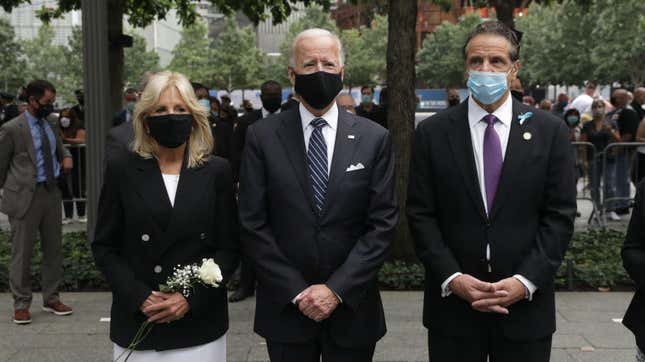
(145, 237)
(158, 269)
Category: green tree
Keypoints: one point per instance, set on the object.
(72, 71)
(46, 60)
(441, 60)
(138, 60)
(364, 49)
(617, 38)
(236, 63)
(193, 55)
(11, 64)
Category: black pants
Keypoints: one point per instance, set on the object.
(73, 185)
(312, 351)
(490, 343)
(247, 275)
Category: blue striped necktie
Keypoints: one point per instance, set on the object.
(317, 159)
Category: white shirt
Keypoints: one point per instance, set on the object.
(504, 114)
(328, 131)
(171, 182)
(582, 103)
(266, 113)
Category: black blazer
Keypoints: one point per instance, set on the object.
(529, 228)
(239, 139)
(140, 238)
(223, 137)
(634, 262)
(292, 247)
(119, 139)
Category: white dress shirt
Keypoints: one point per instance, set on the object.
(477, 130)
(328, 131)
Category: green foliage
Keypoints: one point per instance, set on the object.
(596, 261)
(72, 70)
(137, 60)
(236, 62)
(399, 275)
(364, 53)
(79, 272)
(441, 61)
(192, 56)
(10, 62)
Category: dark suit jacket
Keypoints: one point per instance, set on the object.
(293, 248)
(529, 228)
(140, 238)
(223, 137)
(119, 118)
(634, 262)
(119, 139)
(239, 139)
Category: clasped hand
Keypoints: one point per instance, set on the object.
(488, 297)
(165, 307)
(317, 302)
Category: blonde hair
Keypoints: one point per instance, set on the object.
(200, 143)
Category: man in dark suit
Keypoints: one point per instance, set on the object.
(368, 109)
(318, 211)
(491, 206)
(271, 96)
(32, 158)
(119, 139)
(130, 98)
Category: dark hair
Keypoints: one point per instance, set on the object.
(367, 87)
(197, 86)
(215, 100)
(591, 84)
(270, 84)
(570, 112)
(496, 27)
(38, 87)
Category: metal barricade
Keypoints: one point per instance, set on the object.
(73, 185)
(628, 166)
(585, 155)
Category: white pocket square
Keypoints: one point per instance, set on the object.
(356, 167)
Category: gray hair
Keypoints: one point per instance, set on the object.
(314, 32)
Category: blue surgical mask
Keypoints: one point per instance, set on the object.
(366, 99)
(487, 87)
(205, 103)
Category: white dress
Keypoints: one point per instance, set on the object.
(210, 352)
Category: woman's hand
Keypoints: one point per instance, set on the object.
(173, 307)
(151, 300)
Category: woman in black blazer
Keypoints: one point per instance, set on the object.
(167, 203)
(634, 261)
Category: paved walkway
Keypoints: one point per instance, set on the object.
(586, 330)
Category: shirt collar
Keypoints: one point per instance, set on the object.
(331, 116)
(504, 113)
(266, 113)
(30, 118)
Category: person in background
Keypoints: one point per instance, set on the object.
(346, 101)
(291, 102)
(79, 108)
(627, 120)
(167, 203)
(583, 102)
(453, 98)
(572, 117)
(247, 106)
(601, 132)
(202, 94)
(32, 158)
(638, 105)
(222, 131)
(560, 105)
(516, 89)
(12, 108)
(125, 115)
(7, 106)
(529, 101)
(73, 184)
(368, 109)
(215, 110)
(383, 102)
(546, 105)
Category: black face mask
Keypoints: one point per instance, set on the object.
(170, 130)
(44, 110)
(453, 102)
(318, 89)
(271, 103)
(517, 95)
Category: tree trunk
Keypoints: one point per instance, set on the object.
(115, 54)
(504, 11)
(401, 48)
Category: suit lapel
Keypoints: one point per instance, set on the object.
(462, 149)
(344, 149)
(26, 135)
(293, 140)
(148, 183)
(516, 152)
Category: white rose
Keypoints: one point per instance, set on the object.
(209, 273)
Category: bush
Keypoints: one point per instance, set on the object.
(400, 275)
(79, 272)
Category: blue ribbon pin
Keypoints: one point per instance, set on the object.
(524, 116)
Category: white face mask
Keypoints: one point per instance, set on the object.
(65, 122)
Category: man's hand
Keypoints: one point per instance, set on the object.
(472, 289)
(151, 300)
(317, 302)
(173, 307)
(68, 164)
(515, 290)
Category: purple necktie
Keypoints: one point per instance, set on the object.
(492, 160)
